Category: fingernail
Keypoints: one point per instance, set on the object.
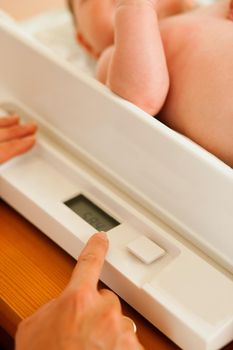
(30, 138)
(31, 127)
(103, 235)
(31, 124)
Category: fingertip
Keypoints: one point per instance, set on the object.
(100, 238)
(16, 147)
(32, 125)
(31, 138)
(29, 142)
(102, 235)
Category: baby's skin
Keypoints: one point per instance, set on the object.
(178, 67)
(199, 52)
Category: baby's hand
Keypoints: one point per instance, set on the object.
(15, 139)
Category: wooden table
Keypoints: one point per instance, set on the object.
(33, 270)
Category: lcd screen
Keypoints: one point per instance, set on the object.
(91, 213)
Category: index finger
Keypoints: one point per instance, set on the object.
(90, 261)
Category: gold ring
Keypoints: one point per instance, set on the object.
(131, 322)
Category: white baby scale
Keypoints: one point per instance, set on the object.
(102, 164)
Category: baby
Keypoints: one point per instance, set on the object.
(177, 66)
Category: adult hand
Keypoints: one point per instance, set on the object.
(81, 318)
(15, 138)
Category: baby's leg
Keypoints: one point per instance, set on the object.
(135, 68)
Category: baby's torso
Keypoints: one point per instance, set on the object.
(199, 52)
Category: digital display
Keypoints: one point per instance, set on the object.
(92, 214)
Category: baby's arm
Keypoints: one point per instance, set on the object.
(135, 67)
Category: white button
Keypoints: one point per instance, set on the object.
(145, 249)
